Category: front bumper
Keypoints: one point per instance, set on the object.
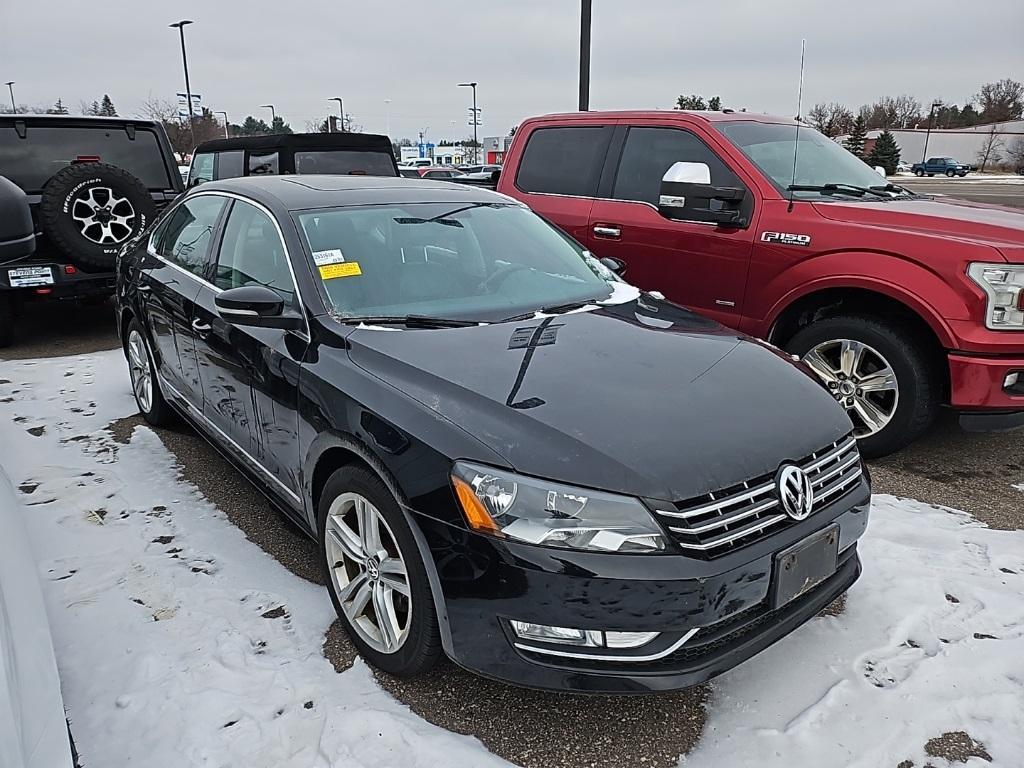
(486, 582)
(977, 383)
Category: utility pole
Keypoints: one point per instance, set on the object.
(341, 110)
(474, 118)
(928, 133)
(585, 14)
(10, 87)
(225, 122)
(180, 25)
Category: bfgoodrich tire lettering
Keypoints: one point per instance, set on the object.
(90, 210)
(417, 645)
(916, 381)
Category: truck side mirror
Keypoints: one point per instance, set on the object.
(687, 195)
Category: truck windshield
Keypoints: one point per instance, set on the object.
(820, 161)
(477, 261)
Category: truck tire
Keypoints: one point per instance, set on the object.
(877, 371)
(89, 210)
(951, 173)
(919, 173)
(6, 321)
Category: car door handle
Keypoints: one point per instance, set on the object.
(200, 327)
(607, 230)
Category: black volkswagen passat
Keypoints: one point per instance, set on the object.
(507, 454)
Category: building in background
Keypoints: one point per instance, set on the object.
(962, 144)
(493, 149)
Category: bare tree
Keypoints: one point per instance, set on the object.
(1001, 101)
(991, 150)
(1016, 152)
(831, 119)
(178, 131)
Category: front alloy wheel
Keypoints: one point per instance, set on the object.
(860, 379)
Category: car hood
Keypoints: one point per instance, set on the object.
(656, 402)
(956, 219)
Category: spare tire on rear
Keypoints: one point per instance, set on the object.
(90, 210)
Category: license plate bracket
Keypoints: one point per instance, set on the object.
(26, 277)
(805, 565)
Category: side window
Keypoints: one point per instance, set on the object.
(649, 152)
(564, 161)
(185, 238)
(230, 164)
(251, 253)
(202, 169)
(263, 164)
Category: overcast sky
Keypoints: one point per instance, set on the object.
(524, 53)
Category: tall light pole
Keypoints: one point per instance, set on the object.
(180, 25)
(273, 114)
(585, 54)
(475, 117)
(341, 110)
(387, 117)
(928, 133)
(225, 122)
(10, 87)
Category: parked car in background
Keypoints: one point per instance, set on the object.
(73, 190)
(506, 453)
(33, 729)
(482, 172)
(942, 165)
(904, 167)
(286, 153)
(417, 162)
(408, 172)
(901, 303)
(438, 172)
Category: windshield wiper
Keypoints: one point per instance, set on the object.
(554, 309)
(841, 188)
(410, 321)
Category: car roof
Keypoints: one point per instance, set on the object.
(709, 117)
(301, 141)
(302, 192)
(32, 119)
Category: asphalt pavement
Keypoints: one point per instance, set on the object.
(971, 187)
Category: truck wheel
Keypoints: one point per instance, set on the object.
(919, 172)
(951, 174)
(6, 321)
(89, 210)
(962, 174)
(878, 372)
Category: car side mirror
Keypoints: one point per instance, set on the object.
(687, 194)
(880, 171)
(618, 266)
(256, 306)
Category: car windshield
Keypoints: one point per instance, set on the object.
(819, 160)
(474, 261)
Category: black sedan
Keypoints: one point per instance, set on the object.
(507, 454)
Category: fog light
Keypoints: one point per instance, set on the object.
(1011, 380)
(583, 638)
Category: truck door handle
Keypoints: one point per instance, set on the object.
(607, 230)
(200, 327)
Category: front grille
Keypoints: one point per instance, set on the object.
(720, 522)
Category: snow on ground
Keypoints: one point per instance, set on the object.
(181, 643)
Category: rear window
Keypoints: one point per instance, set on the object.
(344, 161)
(564, 161)
(30, 162)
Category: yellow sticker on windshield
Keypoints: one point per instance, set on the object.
(345, 269)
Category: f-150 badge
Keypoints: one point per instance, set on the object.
(785, 238)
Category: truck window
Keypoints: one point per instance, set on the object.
(263, 164)
(30, 162)
(344, 161)
(934, 160)
(649, 152)
(230, 164)
(564, 161)
(202, 169)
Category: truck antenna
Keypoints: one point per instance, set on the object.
(799, 119)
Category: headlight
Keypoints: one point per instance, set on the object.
(535, 511)
(1002, 284)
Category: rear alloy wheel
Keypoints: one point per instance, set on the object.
(919, 172)
(145, 386)
(951, 174)
(878, 372)
(375, 574)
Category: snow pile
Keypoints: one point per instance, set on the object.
(179, 641)
(931, 641)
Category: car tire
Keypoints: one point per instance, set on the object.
(951, 174)
(6, 321)
(90, 210)
(911, 407)
(919, 173)
(145, 384)
(930, 175)
(412, 645)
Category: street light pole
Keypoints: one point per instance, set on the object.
(225, 122)
(341, 110)
(585, 14)
(273, 114)
(476, 121)
(10, 87)
(928, 133)
(180, 25)
(387, 117)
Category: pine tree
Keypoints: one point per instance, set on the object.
(94, 109)
(858, 134)
(695, 102)
(886, 153)
(715, 103)
(107, 107)
(57, 109)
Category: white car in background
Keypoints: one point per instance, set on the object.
(33, 729)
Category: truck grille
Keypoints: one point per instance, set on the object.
(720, 522)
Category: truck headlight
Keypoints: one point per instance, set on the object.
(527, 509)
(1003, 284)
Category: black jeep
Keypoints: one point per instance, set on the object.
(73, 191)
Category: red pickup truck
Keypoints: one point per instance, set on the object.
(900, 302)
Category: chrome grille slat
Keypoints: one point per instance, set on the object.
(707, 524)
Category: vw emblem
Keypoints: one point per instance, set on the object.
(372, 570)
(795, 492)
